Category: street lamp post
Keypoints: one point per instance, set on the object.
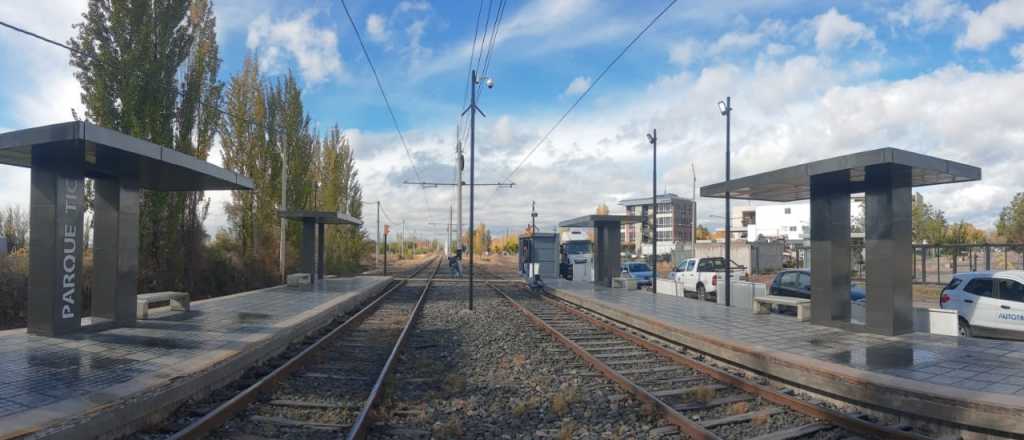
(726, 109)
(653, 139)
(473, 109)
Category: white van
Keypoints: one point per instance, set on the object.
(987, 303)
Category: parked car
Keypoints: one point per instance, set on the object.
(987, 303)
(797, 283)
(701, 275)
(638, 270)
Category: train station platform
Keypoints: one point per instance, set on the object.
(956, 382)
(111, 382)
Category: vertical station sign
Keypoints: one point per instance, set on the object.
(57, 204)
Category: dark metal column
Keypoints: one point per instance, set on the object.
(607, 250)
(116, 250)
(830, 248)
(54, 285)
(320, 261)
(307, 248)
(887, 238)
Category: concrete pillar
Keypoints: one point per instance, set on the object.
(830, 248)
(887, 239)
(307, 249)
(55, 245)
(116, 250)
(607, 249)
(320, 261)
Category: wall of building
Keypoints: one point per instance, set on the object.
(756, 257)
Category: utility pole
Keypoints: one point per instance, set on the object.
(653, 138)
(460, 164)
(448, 244)
(401, 243)
(386, 230)
(376, 244)
(693, 212)
(473, 109)
(284, 207)
(533, 232)
(726, 109)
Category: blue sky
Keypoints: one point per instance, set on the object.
(809, 80)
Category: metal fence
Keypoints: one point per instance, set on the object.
(936, 264)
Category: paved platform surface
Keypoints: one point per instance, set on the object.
(45, 380)
(950, 367)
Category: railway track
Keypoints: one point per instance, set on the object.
(701, 400)
(328, 389)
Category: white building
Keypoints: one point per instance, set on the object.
(783, 221)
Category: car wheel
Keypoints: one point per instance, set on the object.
(964, 328)
(700, 291)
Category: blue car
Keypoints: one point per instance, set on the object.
(641, 272)
(797, 283)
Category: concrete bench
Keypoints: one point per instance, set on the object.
(179, 302)
(763, 304)
(624, 283)
(299, 279)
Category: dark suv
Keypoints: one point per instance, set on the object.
(797, 283)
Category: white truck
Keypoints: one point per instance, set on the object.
(702, 276)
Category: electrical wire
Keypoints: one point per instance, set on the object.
(589, 88)
(380, 86)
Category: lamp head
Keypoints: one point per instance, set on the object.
(489, 82)
(722, 107)
(650, 138)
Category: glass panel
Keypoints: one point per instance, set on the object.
(1011, 290)
(980, 287)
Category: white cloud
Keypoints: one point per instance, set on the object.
(577, 86)
(1018, 53)
(929, 14)
(416, 6)
(991, 24)
(376, 28)
(314, 49)
(735, 41)
(684, 53)
(833, 30)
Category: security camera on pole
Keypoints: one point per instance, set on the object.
(473, 109)
(726, 109)
(653, 139)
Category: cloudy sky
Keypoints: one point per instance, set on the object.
(809, 80)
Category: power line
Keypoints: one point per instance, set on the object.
(380, 86)
(590, 87)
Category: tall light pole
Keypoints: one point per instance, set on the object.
(726, 109)
(460, 164)
(473, 109)
(376, 244)
(653, 139)
(693, 211)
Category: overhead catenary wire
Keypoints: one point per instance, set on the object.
(380, 86)
(596, 80)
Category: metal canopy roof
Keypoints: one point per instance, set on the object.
(109, 153)
(588, 221)
(794, 183)
(322, 217)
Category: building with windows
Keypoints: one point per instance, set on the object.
(675, 223)
(790, 221)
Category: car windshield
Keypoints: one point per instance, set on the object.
(577, 248)
(639, 267)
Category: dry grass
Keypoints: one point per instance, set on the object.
(525, 406)
(454, 384)
(739, 408)
(519, 360)
(760, 419)
(703, 393)
(568, 429)
(450, 429)
(562, 400)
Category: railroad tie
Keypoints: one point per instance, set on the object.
(740, 418)
(796, 432)
(281, 421)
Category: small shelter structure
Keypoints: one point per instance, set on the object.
(886, 176)
(607, 243)
(311, 252)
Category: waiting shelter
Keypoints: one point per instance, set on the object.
(607, 243)
(311, 252)
(60, 156)
(538, 255)
(886, 176)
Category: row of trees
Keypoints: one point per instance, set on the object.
(929, 225)
(14, 228)
(151, 69)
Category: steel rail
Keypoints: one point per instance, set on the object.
(225, 411)
(358, 429)
(833, 417)
(691, 428)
